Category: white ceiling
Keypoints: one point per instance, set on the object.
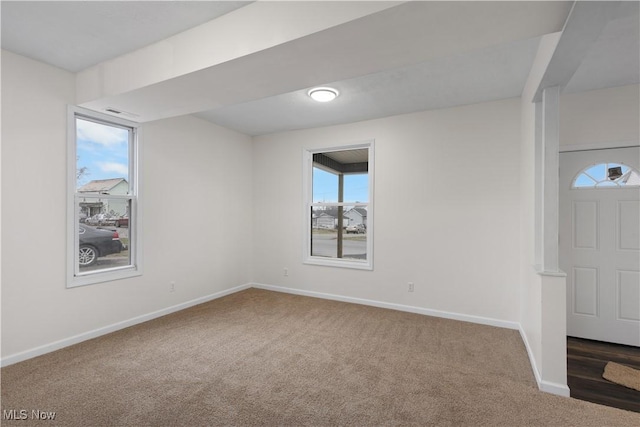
(75, 35)
(614, 59)
(409, 57)
(498, 72)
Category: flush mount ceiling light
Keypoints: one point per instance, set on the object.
(323, 94)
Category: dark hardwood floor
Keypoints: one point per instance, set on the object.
(586, 360)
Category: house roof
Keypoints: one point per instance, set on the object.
(100, 185)
(324, 215)
(329, 211)
(361, 211)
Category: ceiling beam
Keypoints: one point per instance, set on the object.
(586, 21)
(254, 28)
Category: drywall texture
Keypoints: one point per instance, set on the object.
(605, 116)
(446, 210)
(196, 200)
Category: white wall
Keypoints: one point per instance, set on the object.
(197, 206)
(446, 210)
(203, 242)
(606, 117)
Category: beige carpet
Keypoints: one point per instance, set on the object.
(623, 375)
(266, 358)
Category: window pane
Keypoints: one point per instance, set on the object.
(356, 188)
(355, 246)
(340, 223)
(104, 241)
(325, 186)
(607, 175)
(584, 181)
(356, 216)
(102, 162)
(324, 217)
(103, 235)
(324, 242)
(598, 172)
(631, 179)
(328, 241)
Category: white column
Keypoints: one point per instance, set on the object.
(553, 332)
(538, 206)
(551, 167)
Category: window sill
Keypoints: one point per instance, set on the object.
(103, 276)
(340, 263)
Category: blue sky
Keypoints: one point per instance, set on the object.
(103, 149)
(325, 187)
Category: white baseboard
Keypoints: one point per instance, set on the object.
(554, 388)
(546, 386)
(532, 359)
(57, 345)
(400, 307)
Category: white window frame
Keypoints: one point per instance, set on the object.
(308, 204)
(596, 183)
(74, 277)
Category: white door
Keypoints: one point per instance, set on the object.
(600, 243)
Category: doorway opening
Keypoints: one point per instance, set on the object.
(599, 249)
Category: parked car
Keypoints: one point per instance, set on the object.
(96, 243)
(355, 229)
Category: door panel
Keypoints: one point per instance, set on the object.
(600, 249)
(585, 217)
(585, 225)
(628, 225)
(629, 295)
(585, 291)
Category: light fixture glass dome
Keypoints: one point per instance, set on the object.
(323, 94)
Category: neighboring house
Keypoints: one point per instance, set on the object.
(325, 221)
(93, 204)
(327, 218)
(357, 216)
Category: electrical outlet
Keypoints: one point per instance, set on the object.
(172, 287)
(410, 286)
(286, 272)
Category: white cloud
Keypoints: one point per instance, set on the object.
(118, 168)
(101, 134)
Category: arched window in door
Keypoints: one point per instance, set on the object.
(607, 175)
